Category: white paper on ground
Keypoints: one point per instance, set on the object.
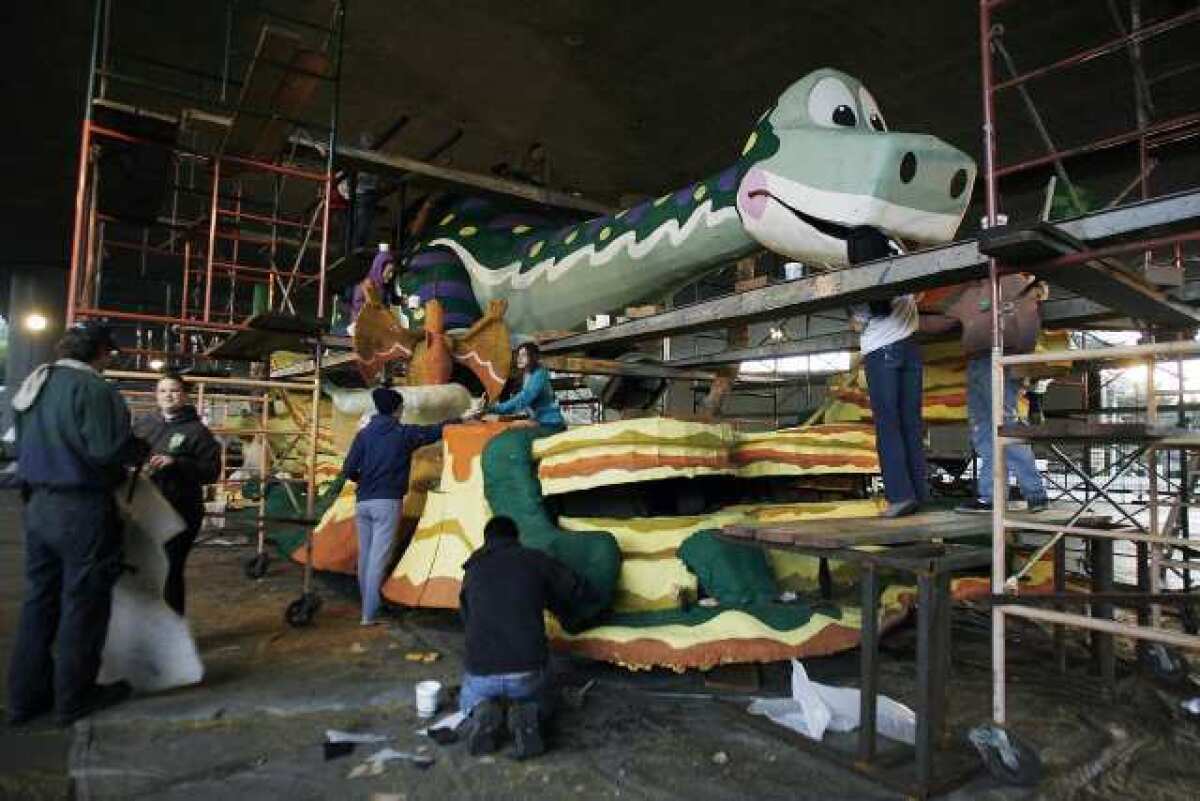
(148, 644)
(451, 721)
(815, 707)
(336, 736)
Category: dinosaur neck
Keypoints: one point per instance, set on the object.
(556, 278)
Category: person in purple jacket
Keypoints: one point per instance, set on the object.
(383, 268)
(378, 463)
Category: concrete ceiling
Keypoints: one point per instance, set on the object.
(627, 97)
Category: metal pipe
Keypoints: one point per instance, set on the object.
(1084, 56)
(1186, 347)
(1108, 534)
(1094, 624)
(90, 311)
(251, 383)
(212, 241)
(1185, 121)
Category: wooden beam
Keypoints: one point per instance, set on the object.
(585, 366)
(385, 164)
(825, 343)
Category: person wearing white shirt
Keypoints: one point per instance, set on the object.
(894, 369)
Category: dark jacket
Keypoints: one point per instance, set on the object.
(197, 459)
(380, 455)
(505, 589)
(73, 429)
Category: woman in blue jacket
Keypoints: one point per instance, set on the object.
(536, 395)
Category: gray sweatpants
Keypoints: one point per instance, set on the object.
(376, 522)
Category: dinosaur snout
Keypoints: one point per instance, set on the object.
(910, 167)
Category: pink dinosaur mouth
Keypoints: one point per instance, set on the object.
(754, 195)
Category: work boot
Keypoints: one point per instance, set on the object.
(975, 506)
(486, 721)
(526, 730)
(100, 697)
(1037, 504)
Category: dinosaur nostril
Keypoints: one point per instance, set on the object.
(908, 167)
(958, 183)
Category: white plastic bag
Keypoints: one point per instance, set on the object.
(815, 707)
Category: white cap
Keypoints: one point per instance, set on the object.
(384, 247)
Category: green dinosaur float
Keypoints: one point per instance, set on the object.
(817, 164)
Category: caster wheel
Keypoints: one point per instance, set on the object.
(301, 611)
(1163, 662)
(1008, 758)
(256, 567)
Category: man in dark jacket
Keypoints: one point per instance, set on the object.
(505, 590)
(183, 458)
(73, 441)
(378, 463)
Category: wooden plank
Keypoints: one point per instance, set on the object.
(1087, 431)
(824, 343)
(270, 87)
(585, 366)
(850, 532)
(396, 166)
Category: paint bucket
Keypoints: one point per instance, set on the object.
(427, 697)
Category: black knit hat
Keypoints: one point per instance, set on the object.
(387, 401)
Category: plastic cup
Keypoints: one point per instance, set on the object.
(427, 697)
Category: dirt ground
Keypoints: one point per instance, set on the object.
(254, 728)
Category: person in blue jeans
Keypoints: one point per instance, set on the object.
(536, 396)
(895, 377)
(1020, 321)
(1019, 458)
(506, 587)
(378, 462)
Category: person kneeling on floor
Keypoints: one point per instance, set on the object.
(505, 589)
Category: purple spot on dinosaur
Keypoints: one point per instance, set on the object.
(635, 215)
(684, 196)
(445, 290)
(431, 258)
(595, 225)
(728, 179)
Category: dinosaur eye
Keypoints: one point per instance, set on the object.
(831, 104)
(871, 110)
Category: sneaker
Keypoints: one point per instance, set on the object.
(975, 506)
(900, 509)
(486, 722)
(526, 730)
(1035, 505)
(101, 696)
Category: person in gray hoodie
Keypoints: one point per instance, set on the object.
(73, 443)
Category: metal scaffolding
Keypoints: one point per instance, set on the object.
(200, 223)
(1155, 535)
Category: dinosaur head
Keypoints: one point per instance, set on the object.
(823, 161)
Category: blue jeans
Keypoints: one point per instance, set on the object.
(894, 382)
(979, 413)
(532, 685)
(376, 521)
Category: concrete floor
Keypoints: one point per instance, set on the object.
(254, 728)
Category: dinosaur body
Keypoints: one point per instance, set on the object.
(819, 163)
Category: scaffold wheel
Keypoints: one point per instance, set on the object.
(1007, 757)
(256, 566)
(301, 611)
